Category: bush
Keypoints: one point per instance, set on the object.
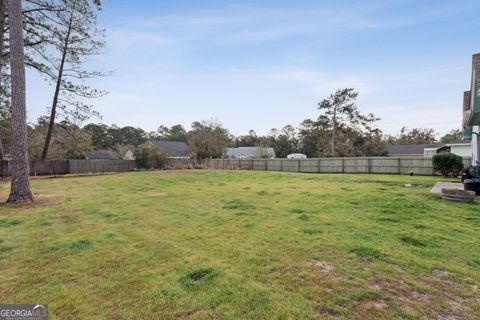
(448, 164)
(149, 157)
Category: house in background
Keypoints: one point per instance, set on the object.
(460, 147)
(101, 155)
(173, 149)
(249, 153)
(471, 110)
(424, 150)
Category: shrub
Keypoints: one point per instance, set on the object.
(448, 164)
(149, 157)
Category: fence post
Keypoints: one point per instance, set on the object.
(369, 164)
(266, 165)
(298, 165)
(343, 165)
(400, 166)
(319, 165)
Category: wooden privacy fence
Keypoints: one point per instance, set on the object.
(39, 168)
(100, 166)
(57, 167)
(185, 163)
(392, 165)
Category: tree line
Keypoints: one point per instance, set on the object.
(350, 134)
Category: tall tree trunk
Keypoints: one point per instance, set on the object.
(1, 148)
(20, 189)
(53, 111)
(2, 37)
(334, 133)
(332, 143)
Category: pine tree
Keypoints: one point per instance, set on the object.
(20, 187)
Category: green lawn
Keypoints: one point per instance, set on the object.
(241, 245)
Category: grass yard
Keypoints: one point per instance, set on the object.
(241, 245)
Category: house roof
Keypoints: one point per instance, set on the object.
(174, 149)
(412, 149)
(250, 152)
(102, 155)
(459, 141)
(476, 67)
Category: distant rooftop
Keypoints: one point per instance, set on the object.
(249, 152)
(173, 149)
(459, 141)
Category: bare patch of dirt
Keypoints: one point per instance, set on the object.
(322, 265)
(67, 213)
(156, 194)
(44, 202)
(439, 274)
(38, 202)
(376, 305)
(47, 196)
(442, 298)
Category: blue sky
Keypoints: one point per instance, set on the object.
(264, 64)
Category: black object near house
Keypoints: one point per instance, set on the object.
(471, 179)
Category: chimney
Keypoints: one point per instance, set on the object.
(476, 67)
(466, 100)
